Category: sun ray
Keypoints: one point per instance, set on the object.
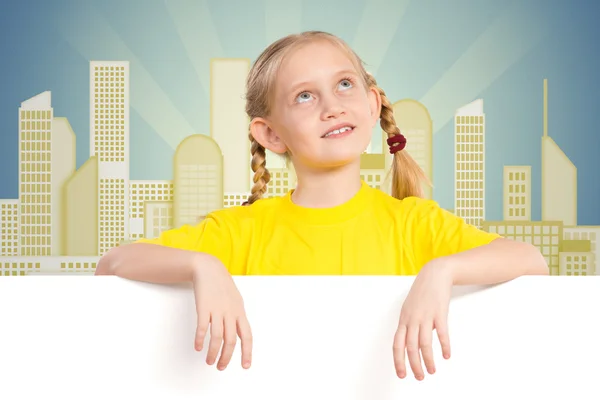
(375, 32)
(93, 37)
(195, 27)
(508, 39)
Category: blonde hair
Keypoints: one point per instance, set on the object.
(407, 176)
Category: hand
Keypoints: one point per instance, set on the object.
(425, 309)
(219, 303)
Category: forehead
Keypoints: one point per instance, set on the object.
(312, 61)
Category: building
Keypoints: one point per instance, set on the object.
(517, 193)
(414, 122)
(229, 122)
(140, 192)
(559, 178)
(109, 142)
(9, 228)
(576, 259)
(469, 161)
(372, 170)
(585, 233)
(81, 215)
(198, 179)
(47, 265)
(545, 235)
(46, 161)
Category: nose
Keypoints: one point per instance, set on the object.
(332, 108)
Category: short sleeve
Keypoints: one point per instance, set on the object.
(211, 236)
(437, 232)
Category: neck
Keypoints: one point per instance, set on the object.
(329, 188)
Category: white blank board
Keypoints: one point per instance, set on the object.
(88, 337)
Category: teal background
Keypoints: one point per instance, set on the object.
(445, 53)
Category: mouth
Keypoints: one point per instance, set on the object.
(339, 131)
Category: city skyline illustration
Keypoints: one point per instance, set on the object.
(65, 218)
(123, 163)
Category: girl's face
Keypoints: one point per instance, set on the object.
(322, 113)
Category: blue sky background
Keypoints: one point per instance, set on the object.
(445, 53)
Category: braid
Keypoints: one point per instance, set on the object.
(261, 174)
(407, 174)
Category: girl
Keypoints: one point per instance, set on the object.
(310, 99)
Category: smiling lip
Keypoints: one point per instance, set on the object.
(336, 127)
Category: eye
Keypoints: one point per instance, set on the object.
(302, 97)
(346, 84)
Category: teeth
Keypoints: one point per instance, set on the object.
(338, 131)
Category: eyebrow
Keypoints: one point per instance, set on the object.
(296, 86)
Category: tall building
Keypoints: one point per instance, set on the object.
(109, 142)
(46, 160)
(414, 122)
(469, 161)
(81, 205)
(141, 192)
(559, 178)
(9, 228)
(229, 122)
(198, 179)
(517, 193)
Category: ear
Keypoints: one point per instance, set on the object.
(264, 134)
(374, 104)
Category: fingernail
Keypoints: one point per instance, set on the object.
(246, 365)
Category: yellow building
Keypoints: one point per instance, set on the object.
(229, 121)
(50, 265)
(46, 161)
(559, 178)
(9, 230)
(414, 122)
(81, 210)
(517, 193)
(545, 235)
(141, 192)
(109, 129)
(198, 179)
(469, 161)
(587, 233)
(576, 259)
(372, 170)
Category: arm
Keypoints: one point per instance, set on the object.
(152, 263)
(499, 261)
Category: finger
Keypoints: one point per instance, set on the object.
(229, 340)
(398, 349)
(412, 349)
(216, 338)
(201, 329)
(425, 339)
(245, 334)
(441, 327)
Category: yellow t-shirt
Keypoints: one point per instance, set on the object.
(371, 234)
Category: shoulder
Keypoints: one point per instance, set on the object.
(409, 208)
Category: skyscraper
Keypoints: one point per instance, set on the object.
(559, 178)
(109, 142)
(46, 161)
(469, 161)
